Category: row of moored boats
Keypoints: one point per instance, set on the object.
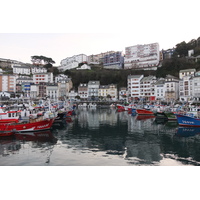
(184, 115)
(19, 119)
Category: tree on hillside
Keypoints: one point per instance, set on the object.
(42, 60)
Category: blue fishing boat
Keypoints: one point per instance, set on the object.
(187, 131)
(184, 120)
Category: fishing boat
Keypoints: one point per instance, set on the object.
(144, 112)
(184, 120)
(32, 125)
(171, 116)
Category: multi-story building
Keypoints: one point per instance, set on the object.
(64, 88)
(171, 88)
(7, 83)
(98, 58)
(103, 91)
(43, 78)
(34, 91)
(72, 62)
(160, 89)
(133, 84)
(26, 88)
(42, 89)
(52, 91)
(93, 90)
(113, 60)
(142, 56)
(83, 90)
(147, 88)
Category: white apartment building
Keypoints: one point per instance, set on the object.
(93, 89)
(145, 56)
(7, 83)
(43, 78)
(186, 84)
(159, 87)
(21, 70)
(147, 88)
(133, 84)
(72, 62)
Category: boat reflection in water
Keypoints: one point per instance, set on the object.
(187, 131)
(104, 137)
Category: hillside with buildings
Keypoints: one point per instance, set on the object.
(143, 72)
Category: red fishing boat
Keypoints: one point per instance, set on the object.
(144, 112)
(26, 127)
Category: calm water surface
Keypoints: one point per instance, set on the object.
(104, 137)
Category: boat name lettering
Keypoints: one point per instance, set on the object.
(187, 122)
(43, 126)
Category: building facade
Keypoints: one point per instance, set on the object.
(72, 62)
(7, 83)
(142, 56)
(93, 90)
(113, 60)
(133, 84)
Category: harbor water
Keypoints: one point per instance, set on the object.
(105, 137)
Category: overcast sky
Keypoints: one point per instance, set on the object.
(63, 29)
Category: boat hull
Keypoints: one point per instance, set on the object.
(144, 112)
(35, 126)
(184, 120)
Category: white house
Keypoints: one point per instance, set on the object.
(83, 90)
(21, 70)
(36, 69)
(52, 91)
(83, 67)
